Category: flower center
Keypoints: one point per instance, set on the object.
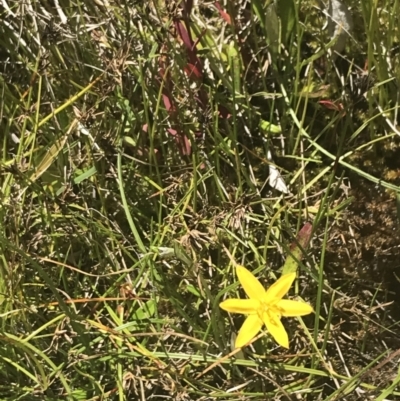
(268, 310)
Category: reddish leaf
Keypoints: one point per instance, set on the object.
(191, 50)
(184, 35)
(168, 103)
(172, 131)
(223, 14)
(303, 237)
(192, 71)
(296, 249)
(186, 148)
(332, 105)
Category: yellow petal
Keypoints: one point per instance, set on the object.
(280, 288)
(251, 326)
(293, 308)
(250, 284)
(276, 329)
(246, 306)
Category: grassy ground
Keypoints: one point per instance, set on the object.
(136, 150)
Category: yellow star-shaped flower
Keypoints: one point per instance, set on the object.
(264, 307)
